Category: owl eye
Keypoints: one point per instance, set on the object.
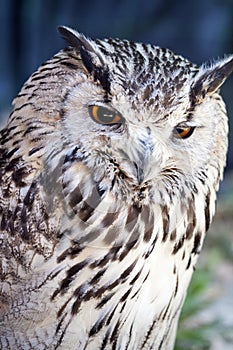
(183, 131)
(105, 116)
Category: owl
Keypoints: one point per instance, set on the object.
(109, 167)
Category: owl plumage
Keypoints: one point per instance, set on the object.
(109, 167)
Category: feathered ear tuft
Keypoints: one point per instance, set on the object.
(76, 39)
(209, 80)
(91, 55)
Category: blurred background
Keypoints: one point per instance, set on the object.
(199, 30)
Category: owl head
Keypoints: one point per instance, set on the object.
(146, 114)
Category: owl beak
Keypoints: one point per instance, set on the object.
(144, 157)
(140, 173)
(142, 165)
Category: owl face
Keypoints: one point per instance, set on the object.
(145, 112)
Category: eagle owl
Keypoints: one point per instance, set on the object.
(109, 167)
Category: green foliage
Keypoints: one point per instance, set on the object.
(193, 334)
(195, 330)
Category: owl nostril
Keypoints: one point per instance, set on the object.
(148, 129)
(147, 145)
(147, 142)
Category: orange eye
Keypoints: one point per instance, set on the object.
(184, 132)
(105, 115)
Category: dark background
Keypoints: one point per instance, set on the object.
(200, 30)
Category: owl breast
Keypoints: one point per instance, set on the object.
(116, 270)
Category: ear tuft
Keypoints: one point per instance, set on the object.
(209, 80)
(75, 39)
(90, 53)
